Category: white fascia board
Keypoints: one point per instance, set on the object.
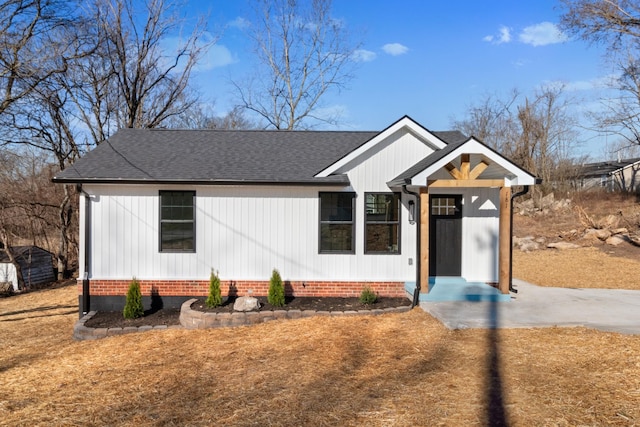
(520, 176)
(405, 122)
(630, 165)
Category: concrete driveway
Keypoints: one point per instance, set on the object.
(535, 306)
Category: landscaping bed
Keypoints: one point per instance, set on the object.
(114, 319)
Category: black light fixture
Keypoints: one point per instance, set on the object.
(412, 212)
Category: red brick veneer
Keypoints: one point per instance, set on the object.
(241, 288)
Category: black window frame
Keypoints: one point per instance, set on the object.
(322, 222)
(162, 221)
(397, 222)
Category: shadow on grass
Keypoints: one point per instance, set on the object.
(36, 309)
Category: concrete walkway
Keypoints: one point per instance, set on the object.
(534, 306)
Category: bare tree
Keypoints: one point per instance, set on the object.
(537, 133)
(491, 120)
(28, 41)
(203, 117)
(151, 85)
(302, 53)
(27, 202)
(120, 75)
(615, 23)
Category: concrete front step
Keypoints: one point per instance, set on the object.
(457, 289)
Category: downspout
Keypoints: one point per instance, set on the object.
(524, 191)
(416, 292)
(86, 297)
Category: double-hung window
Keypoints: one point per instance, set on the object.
(382, 223)
(337, 222)
(177, 221)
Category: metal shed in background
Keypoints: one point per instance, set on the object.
(36, 265)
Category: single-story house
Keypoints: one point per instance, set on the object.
(333, 211)
(35, 263)
(613, 175)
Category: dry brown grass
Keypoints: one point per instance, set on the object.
(401, 370)
(586, 267)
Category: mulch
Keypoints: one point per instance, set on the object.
(114, 319)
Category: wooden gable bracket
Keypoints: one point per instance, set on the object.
(465, 171)
(465, 176)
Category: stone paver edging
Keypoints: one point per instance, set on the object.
(193, 319)
(82, 332)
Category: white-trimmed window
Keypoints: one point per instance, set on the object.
(177, 221)
(382, 223)
(337, 222)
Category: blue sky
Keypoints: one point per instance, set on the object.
(428, 59)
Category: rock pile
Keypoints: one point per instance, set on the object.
(607, 229)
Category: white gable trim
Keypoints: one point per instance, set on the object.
(630, 165)
(472, 146)
(405, 122)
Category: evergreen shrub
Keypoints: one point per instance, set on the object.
(276, 290)
(215, 294)
(133, 307)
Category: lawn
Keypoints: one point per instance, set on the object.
(399, 369)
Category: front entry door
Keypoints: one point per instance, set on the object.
(445, 235)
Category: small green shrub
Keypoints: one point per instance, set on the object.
(133, 307)
(276, 290)
(215, 294)
(367, 296)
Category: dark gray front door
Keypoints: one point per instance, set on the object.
(445, 235)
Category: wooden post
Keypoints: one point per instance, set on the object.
(504, 240)
(424, 240)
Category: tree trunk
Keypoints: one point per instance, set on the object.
(65, 214)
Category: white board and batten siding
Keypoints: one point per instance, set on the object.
(243, 232)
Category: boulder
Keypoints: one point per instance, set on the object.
(596, 234)
(526, 244)
(246, 304)
(562, 245)
(590, 234)
(616, 240)
(529, 245)
(547, 201)
(603, 234)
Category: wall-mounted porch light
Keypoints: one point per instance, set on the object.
(412, 212)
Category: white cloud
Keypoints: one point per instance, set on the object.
(363, 55)
(239, 23)
(214, 55)
(603, 82)
(542, 34)
(217, 56)
(504, 36)
(395, 49)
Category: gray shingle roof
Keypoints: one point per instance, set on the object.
(604, 168)
(219, 156)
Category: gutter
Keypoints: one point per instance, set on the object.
(416, 292)
(86, 297)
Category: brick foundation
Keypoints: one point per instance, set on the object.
(243, 288)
